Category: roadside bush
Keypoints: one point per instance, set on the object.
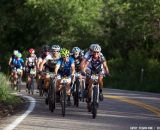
(5, 95)
(127, 74)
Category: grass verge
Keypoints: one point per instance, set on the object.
(8, 101)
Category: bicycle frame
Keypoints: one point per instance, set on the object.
(94, 78)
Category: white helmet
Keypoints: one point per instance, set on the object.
(56, 47)
(97, 48)
(76, 49)
(91, 46)
(15, 52)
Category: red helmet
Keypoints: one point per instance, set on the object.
(31, 50)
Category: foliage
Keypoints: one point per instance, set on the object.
(128, 32)
(5, 95)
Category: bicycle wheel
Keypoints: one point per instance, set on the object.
(77, 93)
(63, 100)
(40, 84)
(52, 97)
(19, 81)
(32, 86)
(94, 102)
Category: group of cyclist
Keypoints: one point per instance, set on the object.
(62, 62)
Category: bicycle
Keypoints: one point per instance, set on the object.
(64, 81)
(76, 89)
(41, 85)
(32, 75)
(93, 105)
(18, 80)
(83, 90)
(52, 93)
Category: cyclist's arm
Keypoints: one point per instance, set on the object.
(42, 64)
(22, 62)
(105, 67)
(26, 63)
(10, 60)
(82, 65)
(39, 61)
(72, 69)
(56, 69)
(85, 66)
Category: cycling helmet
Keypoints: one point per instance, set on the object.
(56, 47)
(92, 46)
(97, 48)
(46, 48)
(15, 52)
(82, 53)
(31, 50)
(64, 52)
(76, 49)
(19, 55)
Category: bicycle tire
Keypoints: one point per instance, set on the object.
(77, 93)
(94, 103)
(63, 99)
(51, 97)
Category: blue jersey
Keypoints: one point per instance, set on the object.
(18, 63)
(65, 67)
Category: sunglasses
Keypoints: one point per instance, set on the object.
(95, 52)
(76, 53)
(65, 57)
(55, 51)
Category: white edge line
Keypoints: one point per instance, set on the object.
(23, 116)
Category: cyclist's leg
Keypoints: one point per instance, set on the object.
(28, 80)
(68, 91)
(90, 89)
(47, 81)
(58, 87)
(46, 85)
(81, 85)
(68, 87)
(15, 76)
(100, 81)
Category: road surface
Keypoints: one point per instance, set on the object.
(120, 110)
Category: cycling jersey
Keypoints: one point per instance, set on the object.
(52, 63)
(31, 61)
(65, 67)
(48, 58)
(18, 63)
(12, 59)
(96, 65)
(88, 55)
(77, 62)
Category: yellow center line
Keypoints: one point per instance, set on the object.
(137, 103)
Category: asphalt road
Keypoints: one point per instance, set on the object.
(120, 110)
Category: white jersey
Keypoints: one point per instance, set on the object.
(48, 57)
(87, 56)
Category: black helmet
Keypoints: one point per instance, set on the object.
(45, 48)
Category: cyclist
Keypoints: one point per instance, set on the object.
(77, 55)
(42, 56)
(10, 63)
(65, 68)
(97, 65)
(44, 66)
(30, 63)
(55, 49)
(88, 54)
(18, 63)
